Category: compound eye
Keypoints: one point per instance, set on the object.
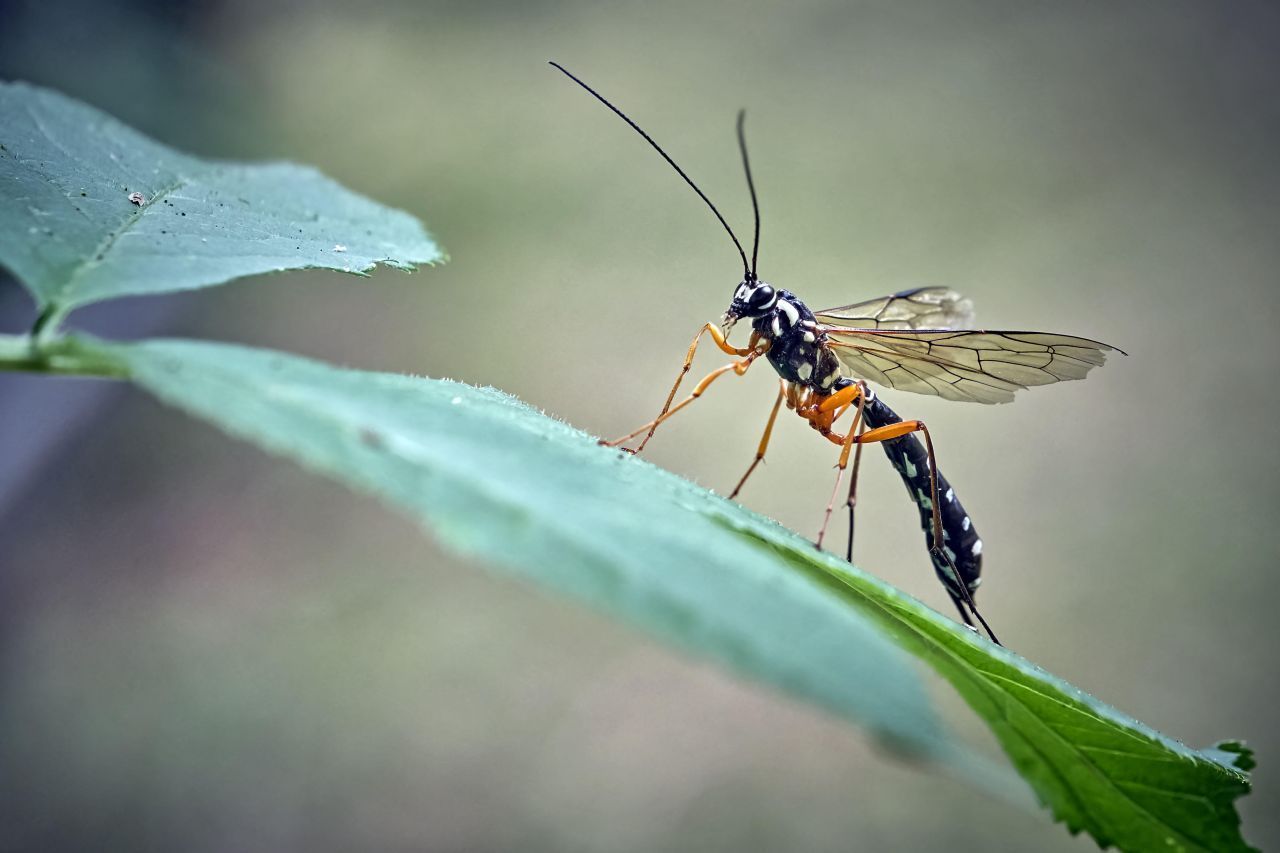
(762, 296)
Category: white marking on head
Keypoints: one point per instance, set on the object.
(743, 290)
(977, 547)
(804, 371)
(771, 302)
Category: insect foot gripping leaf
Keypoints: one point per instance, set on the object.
(92, 210)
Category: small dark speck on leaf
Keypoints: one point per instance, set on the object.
(371, 438)
(162, 231)
(83, 195)
(184, 213)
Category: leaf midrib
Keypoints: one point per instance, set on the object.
(985, 682)
(99, 254)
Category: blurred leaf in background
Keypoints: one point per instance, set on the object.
(133, 216)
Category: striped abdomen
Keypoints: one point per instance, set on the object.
(960, 540)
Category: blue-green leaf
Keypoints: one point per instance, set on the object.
(493, 478)
(91, 209)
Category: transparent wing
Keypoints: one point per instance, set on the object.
(922, 308)
(969, 366)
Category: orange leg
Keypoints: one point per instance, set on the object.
(764, 439)
(853, 436)
(725, 347)
(891, 431)
(852, 502)
(822, 412)
(738, 367)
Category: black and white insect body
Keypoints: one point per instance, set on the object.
(797, 345)
(917, 340)
(960, 552)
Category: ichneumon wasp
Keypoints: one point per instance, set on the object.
(918, 340)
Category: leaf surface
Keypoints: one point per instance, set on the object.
(71, 234)
(493, 478)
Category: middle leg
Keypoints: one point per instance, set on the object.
(764, 439)
(855, 430)
(852, 501)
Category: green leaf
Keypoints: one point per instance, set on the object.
(71, 234)
(493, 478)
(1098, 770)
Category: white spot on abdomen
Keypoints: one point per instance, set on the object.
(977, 547)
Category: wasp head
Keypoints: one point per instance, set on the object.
(752, 299)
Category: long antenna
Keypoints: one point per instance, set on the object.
(747, 269)
(751, 185)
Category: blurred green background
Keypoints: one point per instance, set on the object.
(207, 649)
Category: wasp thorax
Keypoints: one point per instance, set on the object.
(752, 299)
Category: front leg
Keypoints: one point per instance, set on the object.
(752, 350)
(738, 367)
